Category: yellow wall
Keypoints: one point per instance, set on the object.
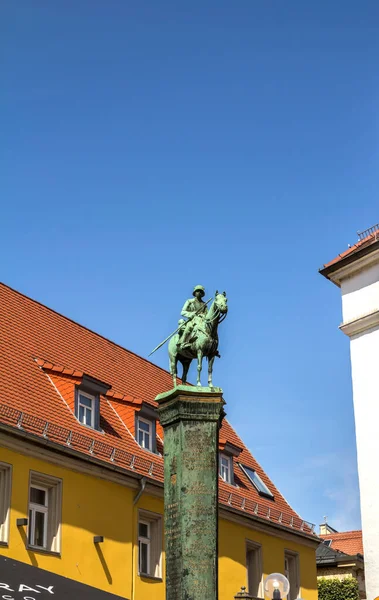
(232, 559)
(93, 506)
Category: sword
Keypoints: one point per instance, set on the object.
(180, 327)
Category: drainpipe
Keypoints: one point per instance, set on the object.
(142, 483)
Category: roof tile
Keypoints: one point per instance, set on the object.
(43, 389)
(349, 542)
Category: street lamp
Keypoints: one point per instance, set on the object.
(276, 586)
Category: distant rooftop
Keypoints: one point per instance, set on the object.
(348, 542)
(366, 239)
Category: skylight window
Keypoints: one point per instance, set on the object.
(327, 542)
(257, 481)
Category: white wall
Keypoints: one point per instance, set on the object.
(360, 293)
(364, 350)
(360, 296)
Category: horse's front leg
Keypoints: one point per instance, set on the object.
(199, 365)
(210, 370)
(174, 368)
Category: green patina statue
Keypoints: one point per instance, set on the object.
(197, 337)
(195, 309)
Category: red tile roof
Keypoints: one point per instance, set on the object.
(367, 241)
(44, 355)
(349, 542)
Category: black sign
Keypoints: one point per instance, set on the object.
(23, 582)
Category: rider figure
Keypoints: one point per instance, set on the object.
(195, 309)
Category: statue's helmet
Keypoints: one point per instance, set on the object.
(198, 288)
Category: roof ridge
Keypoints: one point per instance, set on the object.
(82, 326)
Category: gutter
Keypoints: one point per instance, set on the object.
(326, 271)
(75, 454)
(63, 450)
(266, 522)
(331, 562)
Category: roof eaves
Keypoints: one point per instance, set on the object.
(343, 260)
(57, 447)
(309, 536)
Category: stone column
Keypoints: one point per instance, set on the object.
(191, 418)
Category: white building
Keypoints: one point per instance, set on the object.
(356, 272)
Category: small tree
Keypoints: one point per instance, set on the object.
(338, 589)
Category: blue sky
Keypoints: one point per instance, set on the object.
(151, 146)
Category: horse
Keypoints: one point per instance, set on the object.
(204, 344)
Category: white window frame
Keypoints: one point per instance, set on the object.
(146, 542)
(254, 568)
(226, 470)
(52, 511)
(154, 542)
(5, 501)
(292, 572)
(92, 409)
(41, 508)
(144, 433)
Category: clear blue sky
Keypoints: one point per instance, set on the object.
(150, 146)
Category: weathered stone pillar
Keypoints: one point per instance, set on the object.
(191, 418)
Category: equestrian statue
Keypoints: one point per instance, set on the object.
(197, 336)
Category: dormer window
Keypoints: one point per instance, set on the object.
(144, 433)
(87, 401)
(86, 409)
(145, 427)
(225, 460)
(225, 463)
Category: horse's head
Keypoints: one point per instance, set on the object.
(221, 302)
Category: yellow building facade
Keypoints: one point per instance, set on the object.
(98, 502)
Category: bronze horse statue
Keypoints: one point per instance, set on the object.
(205, 342)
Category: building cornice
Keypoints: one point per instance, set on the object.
(268, 527)
(360, 324)
(43, 449)
(352, 264)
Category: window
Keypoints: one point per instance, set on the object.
(254, 569)
(44, 512)
(327, 542)
(225, 468)
(149, 544)
(86, 409)
(38, 511)
(144, 433)
(291, 571)
(144, 547)
(5, 501)
(87, 401)
(146, 427)
(257, 481)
